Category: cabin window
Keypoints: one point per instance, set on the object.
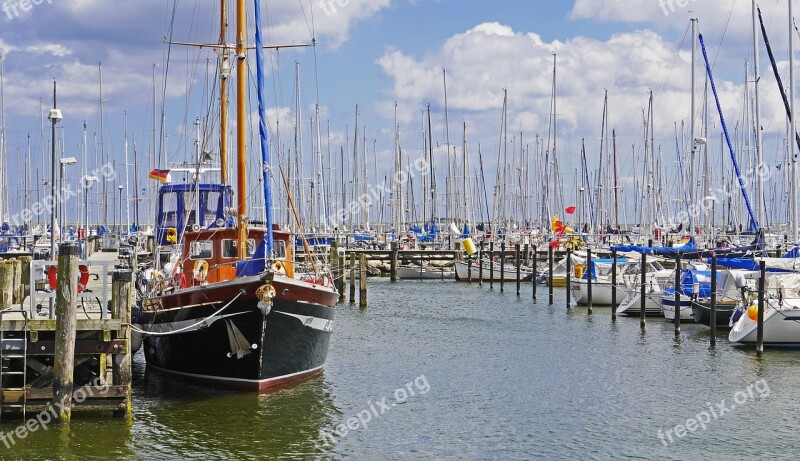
(169, 206)
(211, 204)
(229, 248)
(201, 249)
(280, 249)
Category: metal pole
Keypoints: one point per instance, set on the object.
(613, 284)
(760, 321)
(677, 318)
(713, 300)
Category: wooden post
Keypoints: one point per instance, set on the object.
(569, 277)
(123, 298)
(362, 292)
(334, 262)
(760, 322)
(502, 266)
(677, 295)
(589, 278)
(491, 265)
(480, 264)
(516, 258)
(527, 258)
(342, 283)
(613, 284)
(352, 278)
(393, 263)
(66, 323)
(713, 300)
(550, 272)
(642, 291)
(535, 271)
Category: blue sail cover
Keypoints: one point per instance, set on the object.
(254, 265)
(262, 128)
(690, 277)
(601, 261)
(748, 264)
(660, 251)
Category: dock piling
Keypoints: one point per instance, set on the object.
(589, 279)
(550, 273)
(123, 299)
(642, 291)
(713, 300)
(613, 284)
(480, 265)
(393, 263)
(569, 278)
(362, 292)
(352, 278)
(516, 258)
(66, 324)
(760, 323)
(491, 265)
(535, 272)
(677, 296)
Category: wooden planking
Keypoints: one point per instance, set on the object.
(50, 325)
(46, 393)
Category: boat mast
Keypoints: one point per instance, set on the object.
(224, 72)
(792, 128)
(692, 188)
(3, 135)
(241, 123)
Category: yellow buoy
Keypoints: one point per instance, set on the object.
(469, 246)
(578, 271)
(752, 312)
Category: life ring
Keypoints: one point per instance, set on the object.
(279, 268)
(83, 277)
(172, 235)
(200, 270)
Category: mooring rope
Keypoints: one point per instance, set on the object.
(181, 330)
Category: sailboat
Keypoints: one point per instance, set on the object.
(234, 309)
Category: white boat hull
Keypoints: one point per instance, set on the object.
(781, 326)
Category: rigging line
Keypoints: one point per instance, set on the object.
(310, 27)
(171, 31)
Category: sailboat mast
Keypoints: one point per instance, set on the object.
(692, 186)
(793, 128)
(241, 123)
(224, 72)
(3, 135)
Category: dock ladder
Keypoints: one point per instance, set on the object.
(14, 349)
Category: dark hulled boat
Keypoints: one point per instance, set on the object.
(222, 324)
(231, 306)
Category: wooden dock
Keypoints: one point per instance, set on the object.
(33, 340)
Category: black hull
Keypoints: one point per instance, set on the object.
(702, 314)
(288, 344)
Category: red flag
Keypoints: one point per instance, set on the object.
(571, 209)
(554, 244)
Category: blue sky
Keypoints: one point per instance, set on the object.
(376, 52)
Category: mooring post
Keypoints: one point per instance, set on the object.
(502, 266)
(760, 322)
(535, 271)
(642, 291)
(713, 300)
(491, 265)
(393, 262)
(526, 258)
(342, 273)
(362, 292)
(589, 278)
(550, 273)
(352, 277)
(569, 277)
(66, 324)
(123, 298)
(516, 258)
(334, 259)
(480, 264)
(613, 284)
(677, 295)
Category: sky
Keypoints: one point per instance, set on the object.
(387, 56)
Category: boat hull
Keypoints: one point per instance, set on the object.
(424, 273)
(701, 312)
(668, 308)
(781, 327)
(509, 274)
(245, 345)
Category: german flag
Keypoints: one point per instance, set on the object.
(160, 175)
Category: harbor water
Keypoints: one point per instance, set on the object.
(439, 370)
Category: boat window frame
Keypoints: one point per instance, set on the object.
(196, 257)
(251, 248)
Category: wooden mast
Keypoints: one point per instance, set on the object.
(225, 70)
(241, 122)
